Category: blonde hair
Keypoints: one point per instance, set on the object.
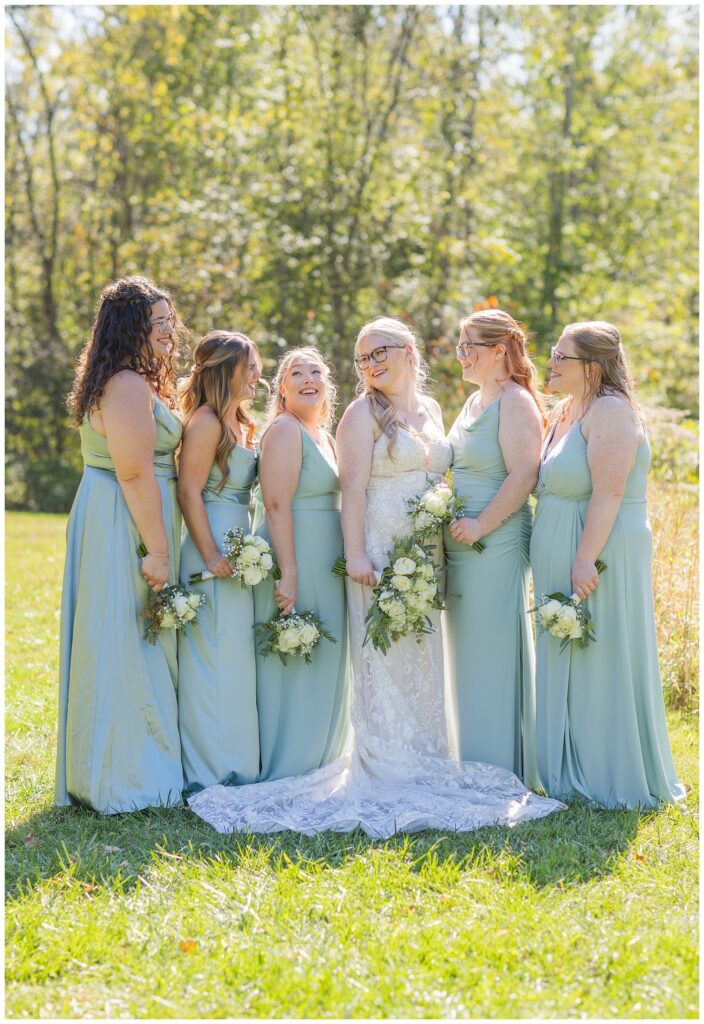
(599, 342)
(277, 405)
(217, 356)
(381, 407)
(496, 325)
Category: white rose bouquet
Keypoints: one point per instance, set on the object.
(172, 608)
(566, 618)
(250, 557)
(435, 508)
(406, 591)
(297, 634)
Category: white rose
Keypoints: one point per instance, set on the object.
(309, 634)
(404, 567)
(436, 502)
(180, 604)
(423, 520)
(168, 621)
(252, 575)
(394, 608)
(194, 600)
(576, 632)
(259, 543)
(427, 571)
(288, 640)
(401, 583)
(190, 613)
(567, 616)
(550, 608)
(266, 561)
(249, 554)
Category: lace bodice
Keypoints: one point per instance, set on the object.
(414, 463)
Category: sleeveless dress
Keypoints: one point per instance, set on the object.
(303, 709)
(489, 636)
(118, 742)
(217, 690)
(601, 728)
(397, 777)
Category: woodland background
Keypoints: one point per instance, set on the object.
(292, 171)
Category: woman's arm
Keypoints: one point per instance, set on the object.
(130, 431)
(612, 436)
(279, 470)
(355, 443)
(520, 438)
(200, 439)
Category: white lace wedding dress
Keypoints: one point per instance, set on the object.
(398, 776)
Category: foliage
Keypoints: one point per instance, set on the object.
(295, 170)
(154, 915)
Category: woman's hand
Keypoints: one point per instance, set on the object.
(219, 566)
(361, 570)
(465, 530)
(585, 578)
(155, 569)
(286, 592)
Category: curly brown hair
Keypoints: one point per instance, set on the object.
(119, 340)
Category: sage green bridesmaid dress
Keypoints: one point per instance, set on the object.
(118, 742)
(601, 727)
(303, 709)
(217, 693)
(487, 630)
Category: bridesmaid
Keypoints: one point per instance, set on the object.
(496, 450)
(217, 700)
(303, 715)
(601, 729)
(118, 743)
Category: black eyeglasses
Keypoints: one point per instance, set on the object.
(378, 355)
(466, 347)
(559, 357)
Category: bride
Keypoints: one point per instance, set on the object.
(398, 776)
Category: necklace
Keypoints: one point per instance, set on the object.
(484, 405)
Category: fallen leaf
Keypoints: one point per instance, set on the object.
(31, 840)
(188, 945)
(89, 889)
(639, 856)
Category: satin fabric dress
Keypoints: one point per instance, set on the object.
(118, 741)
(491, 661)
(217, 695)
(601, 727)
(303, 709)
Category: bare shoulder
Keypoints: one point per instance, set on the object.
(519, 404)
(611, 411)
(284, 432)
(203, 426)
(127, 385)
(357, 418)
(612, 421)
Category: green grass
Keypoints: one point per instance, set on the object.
(583, 914)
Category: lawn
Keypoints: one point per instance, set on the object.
(587, 913)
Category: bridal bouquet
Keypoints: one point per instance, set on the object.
(297, 634)
(249, 556)
(435, 508)
(404, 594)
(566, 618)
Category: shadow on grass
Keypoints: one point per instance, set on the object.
(567, 848)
